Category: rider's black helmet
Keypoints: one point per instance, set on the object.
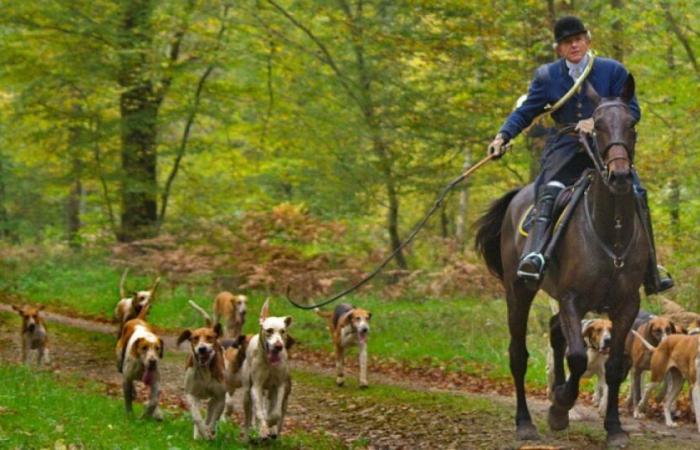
(568, 26)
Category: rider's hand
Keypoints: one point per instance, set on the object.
(585, 125)
(497, 147)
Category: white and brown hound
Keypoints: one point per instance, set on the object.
(231, 308)
(139, 351)
(130, 307)
(348, 326)
(204, 376)
(675, 359)
(597, 334)
(266, 378)
(33, 333)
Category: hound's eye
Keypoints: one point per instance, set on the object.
(269, 331)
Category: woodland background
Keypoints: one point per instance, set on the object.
(261, 144)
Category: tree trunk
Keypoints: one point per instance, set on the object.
(618, 33)
(4, 225)
(460, 220)
(73, 205)
(139, 104)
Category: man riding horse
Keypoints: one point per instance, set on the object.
(563, 160)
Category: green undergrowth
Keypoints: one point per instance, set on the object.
(37, 411)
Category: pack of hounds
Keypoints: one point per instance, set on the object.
(221, 359)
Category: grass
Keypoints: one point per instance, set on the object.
(37, 411)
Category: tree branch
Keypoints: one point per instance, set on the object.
(681, 37)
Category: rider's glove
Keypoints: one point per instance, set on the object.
(585, 125)
(497, 147)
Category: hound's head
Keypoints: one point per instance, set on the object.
(358, 319)
(659, 328)
(30, 317)
(140, 299)
(149, 350)
(598, 333)
(203, 343)
(239, 303)
(274, 337)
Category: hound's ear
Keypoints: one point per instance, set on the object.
(17, 308)
(264, 312)
(135, 347)
(185, 336)
(288, 321)
(41, 307)
(628, 89)
(289, 343)
(592, 94)
(217, 330)
(587, 328)
(135, 295)
(240, 342)
(162, 348)
(369, 315)
(344, 319)
(673, 327)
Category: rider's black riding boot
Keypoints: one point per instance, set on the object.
(531, 265)
(653, 282)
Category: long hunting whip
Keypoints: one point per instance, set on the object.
(410, 237)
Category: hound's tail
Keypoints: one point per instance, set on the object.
(644, 341)
(122, 281)
(205, 315)
(144, 311)
(488, 234)
(326, 315)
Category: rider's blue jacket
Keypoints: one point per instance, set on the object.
(550, 83)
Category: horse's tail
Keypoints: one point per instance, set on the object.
(488, 234)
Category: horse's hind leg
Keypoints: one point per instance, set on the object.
(519, 302)
(565, 393)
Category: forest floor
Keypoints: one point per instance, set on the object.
(403, 408)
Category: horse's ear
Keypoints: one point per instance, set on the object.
(592, 94)
(628, 89)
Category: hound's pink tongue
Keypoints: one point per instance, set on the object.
(148, 376)
(273, 357)
(362, 338)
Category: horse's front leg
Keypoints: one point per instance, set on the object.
(565, 394)
(519, 302)
(615, 370)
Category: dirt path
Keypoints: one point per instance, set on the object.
(364, 418)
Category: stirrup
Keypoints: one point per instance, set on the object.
(532, 275)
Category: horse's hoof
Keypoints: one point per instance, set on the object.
(618, 440)
(527, 432)
(558, 419)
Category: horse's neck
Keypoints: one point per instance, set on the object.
(613, 216)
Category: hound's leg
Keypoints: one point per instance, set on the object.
(565, 394)
(603, 390)
(247, 412)
(615, 368)
(214, 410)
(675, 383)
(152, 409)
(519, 302)
(363, 365)
(25, 351)
(695, 394)
(200, 428)
(339, 363)
(128, 388)
(260, 410)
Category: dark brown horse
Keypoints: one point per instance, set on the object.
(597, 265)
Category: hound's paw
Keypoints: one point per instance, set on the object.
(672, 424)
(339, 382)
(364, 385)
(638, 414)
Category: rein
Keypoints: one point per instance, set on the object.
(438, 202)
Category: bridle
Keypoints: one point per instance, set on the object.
(603, 166)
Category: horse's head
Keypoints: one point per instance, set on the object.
(615, 136)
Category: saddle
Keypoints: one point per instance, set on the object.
(562, 202)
